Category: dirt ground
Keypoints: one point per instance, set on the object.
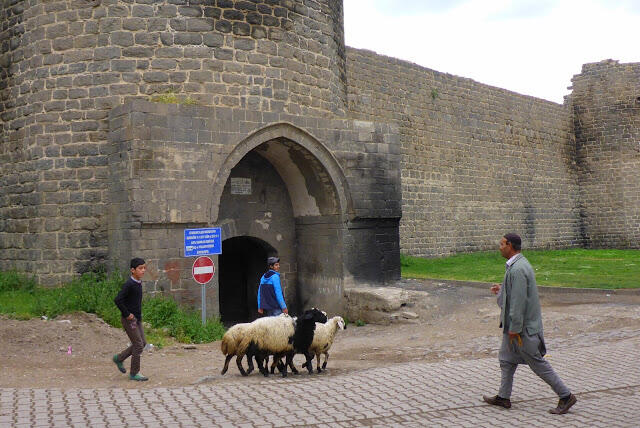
(455, 322)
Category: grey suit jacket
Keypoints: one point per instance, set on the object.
(518, 299)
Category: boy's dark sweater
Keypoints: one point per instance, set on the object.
(129, 299)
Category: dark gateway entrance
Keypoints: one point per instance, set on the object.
(242, 263)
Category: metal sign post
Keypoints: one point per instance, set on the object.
(203, 270)
(201, 242)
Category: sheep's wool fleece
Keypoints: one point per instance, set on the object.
(232, 338)
(325, 333)
(270, 333)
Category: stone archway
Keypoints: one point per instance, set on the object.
(284, 187)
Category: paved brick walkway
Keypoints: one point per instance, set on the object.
(605, 377)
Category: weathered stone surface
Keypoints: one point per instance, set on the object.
(473, 161)
(376, 305)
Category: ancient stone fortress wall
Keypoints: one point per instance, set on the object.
(64, 64)
(92, 173)
(477, 161)
(606, 107)
(171, 169)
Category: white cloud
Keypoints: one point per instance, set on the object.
(530, 47)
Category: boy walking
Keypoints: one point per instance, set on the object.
(129, 301)
(270, 299)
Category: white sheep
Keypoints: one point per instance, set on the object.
(230, 344)
(266, 336)
(280, 336)
(323, 339)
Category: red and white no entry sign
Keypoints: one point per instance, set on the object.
(203, 270)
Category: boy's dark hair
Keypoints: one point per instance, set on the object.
(272, 261)
(515, 240)
(135, 262)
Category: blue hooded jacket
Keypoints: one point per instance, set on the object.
(270, 293)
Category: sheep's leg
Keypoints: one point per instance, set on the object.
(294, 370)
(309, 362)
(326, 358)
(318, 363)
(260, 360)
(226, 363)
(239, 364)
(289, 362)
(276, 363)
(250, 363)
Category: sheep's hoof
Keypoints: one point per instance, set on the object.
(284, 374)
(319, 371)
(295, 371)
(324, 365)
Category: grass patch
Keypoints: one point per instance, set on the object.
(170, 97)
(20, 298)
(580, 268)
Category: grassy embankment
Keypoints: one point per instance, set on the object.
(562, 268)
(21, 298)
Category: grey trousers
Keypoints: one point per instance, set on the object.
(138, 341)
(531, 352)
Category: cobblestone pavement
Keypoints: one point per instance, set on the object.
(605, 375)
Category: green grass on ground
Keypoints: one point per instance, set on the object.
(579, 268)
(21, 298)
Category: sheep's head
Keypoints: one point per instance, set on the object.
(314, 315)
(340, 322)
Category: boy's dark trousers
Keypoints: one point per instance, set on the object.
(136, 336)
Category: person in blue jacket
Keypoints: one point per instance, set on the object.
(270, 298)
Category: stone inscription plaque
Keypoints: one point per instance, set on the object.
(240, 186)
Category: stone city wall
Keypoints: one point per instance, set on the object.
(477, 161)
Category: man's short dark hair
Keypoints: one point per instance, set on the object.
(515, 240)
(135, 262)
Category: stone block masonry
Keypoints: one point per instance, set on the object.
(477, 161)
(606, 113)
(80, 167)
(343, 232)
(64, 64)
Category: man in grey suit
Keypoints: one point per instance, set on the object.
(521, 320)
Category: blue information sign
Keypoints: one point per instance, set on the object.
(202, 242)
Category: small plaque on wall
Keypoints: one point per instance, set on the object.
(240, 186)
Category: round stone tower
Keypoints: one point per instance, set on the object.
(65, 64)
(606, 104)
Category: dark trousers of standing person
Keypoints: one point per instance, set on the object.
(134, 330)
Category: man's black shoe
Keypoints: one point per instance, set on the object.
(497, 401)
(564, 404)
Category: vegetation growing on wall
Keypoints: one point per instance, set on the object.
(170, 97)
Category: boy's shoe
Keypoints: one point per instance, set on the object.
(119, 364)
(138, 377)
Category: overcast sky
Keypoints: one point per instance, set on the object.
(532, 47)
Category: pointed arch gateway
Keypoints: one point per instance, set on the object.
(281, 186)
